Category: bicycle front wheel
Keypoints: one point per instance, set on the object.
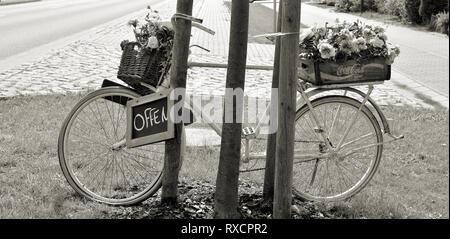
(336, 176)
(93, 155)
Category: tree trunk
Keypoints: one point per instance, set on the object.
(286, 109)
(362, 6)
(174, 149)
(226, 196)
(269, 173)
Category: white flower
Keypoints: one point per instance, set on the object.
(379, 29)
(396, 50)
(306, 34)
(153, 16)
(303, 55)
(167, 24)
(391, 57)
(153, 42)
(322, 31)
(368, 34)
(348, 47)
(344, 31)
(377, 42)
(346, 35)
(134, 23)
(326, 50)
(330, 34)
(382, 36)
(360, 43)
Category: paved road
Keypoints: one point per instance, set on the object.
(29, 25)
(424, 57)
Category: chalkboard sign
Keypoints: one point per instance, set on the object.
(148, 120)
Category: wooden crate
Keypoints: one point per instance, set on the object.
(327, 73)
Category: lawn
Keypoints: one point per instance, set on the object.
(412, 181)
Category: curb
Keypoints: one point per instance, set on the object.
(408, 86)
(17, 2)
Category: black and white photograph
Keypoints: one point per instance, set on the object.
(246, 110)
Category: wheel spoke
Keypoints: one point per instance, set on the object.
(330, 178)
(117, 176)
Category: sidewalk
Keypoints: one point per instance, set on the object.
(423, 65)
(95, 55)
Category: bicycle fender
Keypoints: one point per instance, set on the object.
(377, 109)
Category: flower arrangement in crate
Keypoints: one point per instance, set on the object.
(148, 58)
(345, 53)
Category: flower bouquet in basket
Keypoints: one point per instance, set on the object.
(345, 53)
(147, 58)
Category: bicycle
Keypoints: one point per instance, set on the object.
(327, 166)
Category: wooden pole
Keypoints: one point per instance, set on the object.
(174, 149)
(226, 196)
(269, 173)
(286, 109)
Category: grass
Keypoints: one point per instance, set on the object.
(412, 181)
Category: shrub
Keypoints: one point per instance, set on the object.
(343, 5)
(395, 8)
(440, 22)
(428, 8)
(331, 3)
(412, 10)
(355, 5)
(327, 2)
(380, 5)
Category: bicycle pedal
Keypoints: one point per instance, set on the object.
(247, 131)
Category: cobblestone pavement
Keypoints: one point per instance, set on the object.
(85, 62)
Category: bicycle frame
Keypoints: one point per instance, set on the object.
(304, 98)
(299, 155)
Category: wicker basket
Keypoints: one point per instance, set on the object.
(317, 73)
(140, 66)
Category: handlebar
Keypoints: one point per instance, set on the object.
(203, 28)
(186, 17)
(196, 22)
(195, 45)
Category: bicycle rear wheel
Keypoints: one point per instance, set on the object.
(93, 155)
(339, 176)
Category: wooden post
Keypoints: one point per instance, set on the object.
(286, 109)
(269, 173)
(174, 149)
(226, 196)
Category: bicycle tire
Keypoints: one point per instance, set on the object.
(127, 192)
(368, 173)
